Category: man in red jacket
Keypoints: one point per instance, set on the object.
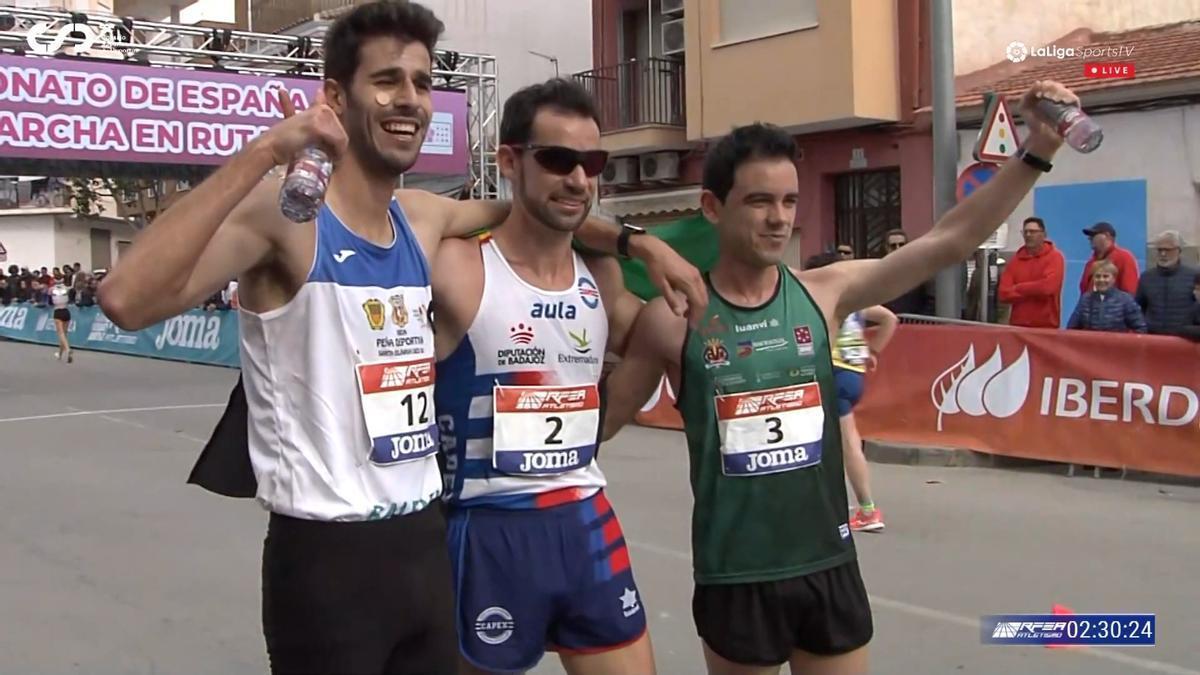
(1104, 247)
(1032, 281)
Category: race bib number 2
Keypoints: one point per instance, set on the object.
(397, 404)
(770, 431)
(541, 431)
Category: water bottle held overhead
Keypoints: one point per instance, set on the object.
(304, 188)
(1077, 129)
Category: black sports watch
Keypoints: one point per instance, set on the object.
(1034, 161)
(627, 231)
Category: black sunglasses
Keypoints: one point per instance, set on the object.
(561, 161)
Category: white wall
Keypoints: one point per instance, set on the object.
(510, 29)
(1150, 145)
(73, 241)
(983, 28)
(54, 240)
(29, 239)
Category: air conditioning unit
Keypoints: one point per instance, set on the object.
(668, 7)
(620, 171)
(660, 166)
(672, 37)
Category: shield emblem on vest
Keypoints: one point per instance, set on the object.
(375, 313)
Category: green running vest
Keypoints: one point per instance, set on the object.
(779, 512)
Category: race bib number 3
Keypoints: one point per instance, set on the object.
(771, 431)
(397, 404)
(542, 431)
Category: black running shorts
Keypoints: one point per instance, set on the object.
(825, 613)
(367, 597)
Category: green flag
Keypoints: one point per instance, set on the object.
(693, 238)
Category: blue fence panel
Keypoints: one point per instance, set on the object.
(195, 337)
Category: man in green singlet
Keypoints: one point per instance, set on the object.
(776, 572)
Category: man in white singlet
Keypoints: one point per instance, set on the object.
(337, 350)
(523, 324)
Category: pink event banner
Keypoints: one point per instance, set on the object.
(108, 111)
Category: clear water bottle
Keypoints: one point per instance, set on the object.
(1080, 131)
(304, 188)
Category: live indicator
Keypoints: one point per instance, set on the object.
(1109, 71)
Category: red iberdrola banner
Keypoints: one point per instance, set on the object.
(112, 111)
(1106, 399)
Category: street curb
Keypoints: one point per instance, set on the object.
(914, 455)
(882, 452)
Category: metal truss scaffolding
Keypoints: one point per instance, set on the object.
(199, 48)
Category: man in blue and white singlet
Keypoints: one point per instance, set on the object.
(337, 351)
(523, 324)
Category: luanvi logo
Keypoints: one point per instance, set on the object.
(988, 389)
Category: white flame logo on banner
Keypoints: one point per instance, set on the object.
(989, 389)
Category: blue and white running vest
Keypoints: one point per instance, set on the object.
(339, 382)
(517, 401)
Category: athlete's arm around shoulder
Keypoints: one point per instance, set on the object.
(434, 217)
(622, 306)
(858, 284)
(227, 225)
(654, 348)
(457, 280)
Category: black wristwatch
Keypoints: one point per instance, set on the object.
(627, 231)
(1034, 161)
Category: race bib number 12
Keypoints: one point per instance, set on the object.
(770, 431)
(397, 404)
(542, 431)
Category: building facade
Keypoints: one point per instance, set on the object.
(845, 77)
(38, 227)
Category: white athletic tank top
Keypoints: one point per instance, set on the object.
(339, 383)
(59, 296)
(516, 434)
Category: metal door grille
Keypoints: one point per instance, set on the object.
(867, 206)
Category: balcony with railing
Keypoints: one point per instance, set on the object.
(641, 103)
(33, 193)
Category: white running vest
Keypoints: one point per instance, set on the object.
(339, 383)
(60, 296)
(517, 401)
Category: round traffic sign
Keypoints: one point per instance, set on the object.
(973, 176)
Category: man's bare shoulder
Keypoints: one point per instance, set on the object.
(456, 260)
(458, 249)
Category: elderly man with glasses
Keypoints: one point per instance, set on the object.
(1164, 291)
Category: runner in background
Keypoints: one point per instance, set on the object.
(60, 297)
(853, 353)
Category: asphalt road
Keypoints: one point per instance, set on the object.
(110, 563)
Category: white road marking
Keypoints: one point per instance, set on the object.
(82, 413)
(1148, 665)
(139, 425)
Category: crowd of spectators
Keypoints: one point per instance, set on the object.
(22, 285)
